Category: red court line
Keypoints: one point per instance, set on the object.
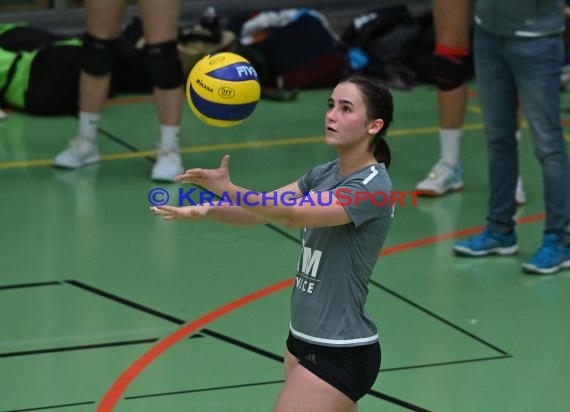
(113, 394)
(452, 235)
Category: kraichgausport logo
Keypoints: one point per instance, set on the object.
(342, 196)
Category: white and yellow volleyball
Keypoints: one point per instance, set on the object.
(223, 89)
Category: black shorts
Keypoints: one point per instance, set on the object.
(352, 370)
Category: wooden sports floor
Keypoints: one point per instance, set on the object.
(103, 305)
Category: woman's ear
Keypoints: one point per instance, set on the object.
(375, 126)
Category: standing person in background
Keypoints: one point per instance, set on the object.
(451, 67)
(160, 25)
(519, 51)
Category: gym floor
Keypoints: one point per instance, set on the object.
(104, 304)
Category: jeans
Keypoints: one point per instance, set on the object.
(509, 69)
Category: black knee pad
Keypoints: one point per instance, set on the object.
(450, 72)
(98, 55)
(164, 66)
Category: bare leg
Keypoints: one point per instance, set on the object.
(290, 362)
(305, 392)
(452, 22)
(104, 22)
(160, 23)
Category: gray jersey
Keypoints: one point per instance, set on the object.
(331, 285)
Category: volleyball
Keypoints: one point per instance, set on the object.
(223, 89)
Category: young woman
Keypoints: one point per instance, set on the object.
(333, 355)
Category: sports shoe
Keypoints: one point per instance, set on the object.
(168, 165)
(520, 194)
(442, 179)
(487, 243)
(549, 258)
(81, 152)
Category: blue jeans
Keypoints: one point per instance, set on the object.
(508, 69)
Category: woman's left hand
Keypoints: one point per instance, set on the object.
(214, 180)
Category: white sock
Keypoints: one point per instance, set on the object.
(88, 124)
(450, 145)
(518, 135)
(169, 138)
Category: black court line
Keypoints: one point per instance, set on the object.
(132, 148)
(121, 142)
(65, 405)
(283, 232)
(380, 395)
(75, 348)
(399, 402)
(30, 285)
(243, 345)
(207, 332)
(431, 365)
(273, 356)
(215, 388)
(130, 304)
(441, 319)
(410, 302)
(126, 302)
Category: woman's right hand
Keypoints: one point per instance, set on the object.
(180, 213)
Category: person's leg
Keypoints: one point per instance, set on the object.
(451, 66)
(520, 193)
(498, 100)
(290, 361)
(103, 28)
(538, 64)
(103, 23)
(304, 391)
(452, 22)
(160, 24)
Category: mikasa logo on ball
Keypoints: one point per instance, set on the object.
(204, 86)
(226, 92)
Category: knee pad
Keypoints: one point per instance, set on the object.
(451, 67)
(164, 66)
(98, 55)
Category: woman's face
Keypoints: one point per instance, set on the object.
(346, 119)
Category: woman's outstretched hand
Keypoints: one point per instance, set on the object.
(180, 213)
(214, 180)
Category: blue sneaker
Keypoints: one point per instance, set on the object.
(487, 243)
(549, 258)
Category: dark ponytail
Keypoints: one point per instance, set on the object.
(379, 105)
(381, 150)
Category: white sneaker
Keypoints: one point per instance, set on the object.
(168, 165)
(520, 194)
(81, 152)
(442, 179)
